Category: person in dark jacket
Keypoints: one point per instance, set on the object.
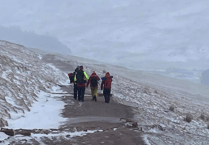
(106, 85)
(81, 78)
(93, 80)
(71, 77)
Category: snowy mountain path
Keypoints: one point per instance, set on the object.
(87, 122)
(108, 119)
(137, 114)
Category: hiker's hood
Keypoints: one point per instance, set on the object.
(93, 74)
(107, 75)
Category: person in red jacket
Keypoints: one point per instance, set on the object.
(106, 84)
(93, 80)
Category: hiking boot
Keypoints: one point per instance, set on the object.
(75, 98)
(92, 98)
(95, 98)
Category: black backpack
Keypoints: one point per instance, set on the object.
(72, 77)
(80, 77)
(94, 81)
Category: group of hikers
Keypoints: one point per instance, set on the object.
(81, 80)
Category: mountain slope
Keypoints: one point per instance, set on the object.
(23, 76)
(151, 96)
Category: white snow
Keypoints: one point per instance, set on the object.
(146, 140)
(37, 137)
(44, 114)
(39, 56)
(72, 134)
(3, 136)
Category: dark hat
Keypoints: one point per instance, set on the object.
(81, 67)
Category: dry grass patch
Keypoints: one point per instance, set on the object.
(188, 118)
(172, 108)
(202, 116)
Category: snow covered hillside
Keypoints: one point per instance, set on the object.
(151, 96)
(132, 33)
(23, 78)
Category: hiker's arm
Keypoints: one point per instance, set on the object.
(98, 78)
(102, 85)
(88, 81)
(86, 76)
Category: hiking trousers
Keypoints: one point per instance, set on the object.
(81, 92)
(75, 91)
(106, 93)
(94, 91)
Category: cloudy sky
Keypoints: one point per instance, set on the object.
(135, 33)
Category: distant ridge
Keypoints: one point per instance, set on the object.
(30, 39)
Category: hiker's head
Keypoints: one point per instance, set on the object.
(94, 72)
(81, 67)
(107, 74)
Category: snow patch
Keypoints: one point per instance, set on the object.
(39, 56)
(146, 139)
(3, 136)
(44, 114)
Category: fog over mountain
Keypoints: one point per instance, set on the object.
(132, 33)
(30, 39)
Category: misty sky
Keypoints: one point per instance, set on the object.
(136, 33)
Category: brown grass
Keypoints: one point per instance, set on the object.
(171, 108)
(188, 118)
(202, 116)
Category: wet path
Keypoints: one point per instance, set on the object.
(91, 115)
(109, 118)
(88, 122)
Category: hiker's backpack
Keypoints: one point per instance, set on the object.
(103, 78)
(72, 77)
(80, 77)
(107, 83)
(94, 81)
